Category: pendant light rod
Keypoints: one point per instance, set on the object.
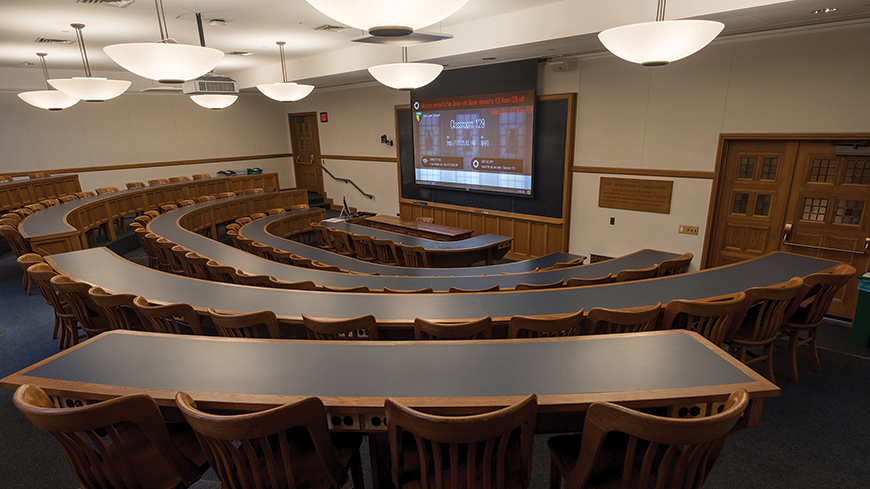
(81, 39)
(199, 26)
(283, 63)
(44, 69)
(161, 21)
(404, 54)
(660, 11)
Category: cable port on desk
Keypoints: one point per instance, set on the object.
(376, 422)
(339, 421)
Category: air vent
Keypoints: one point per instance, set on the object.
(109, 3)
(240, 53)
(210, 84)
(330, 28)
(43, 40)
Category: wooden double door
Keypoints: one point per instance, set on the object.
(305, 140)
(798, 196)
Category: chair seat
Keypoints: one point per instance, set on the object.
(149, 466)
(798, 321)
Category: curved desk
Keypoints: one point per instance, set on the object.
(19, 193)
(62, 228)
(487, 247)
(99, 266)
(169, 226)
(261, 231)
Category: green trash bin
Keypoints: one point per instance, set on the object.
(861, 323)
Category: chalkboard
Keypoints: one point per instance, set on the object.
(551, 125)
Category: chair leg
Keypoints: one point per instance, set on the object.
(768, 362)
(555, 475)
(56, 327)
(356, 471)
(792, 354)
(814, 351)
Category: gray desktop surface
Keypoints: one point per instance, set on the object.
(429, 244)
(166, 225)
(257, 231)
(613, 363)
(100, 266)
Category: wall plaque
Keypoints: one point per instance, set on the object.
(635, 194)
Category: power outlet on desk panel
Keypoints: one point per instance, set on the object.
(689, 411)
(376, 422)
(69, 402)
(690, 230)
(717, 407)
(339, 421)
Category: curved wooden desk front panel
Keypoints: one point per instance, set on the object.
(23, 192)
(61, 228)
(168, 226)
(99, 266)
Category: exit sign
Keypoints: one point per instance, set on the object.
(323, 117)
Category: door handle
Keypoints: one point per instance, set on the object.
(786, 233)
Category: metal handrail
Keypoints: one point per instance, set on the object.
(346, 180)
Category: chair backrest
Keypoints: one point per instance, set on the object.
(821, 288)
(326, 268)
(364, 247)
(281, 210)
(387, 252)
(168, 260)
(494, 445)
(85, 194)
(323, 238)
(40, 174)
(224, 195)
(41, 274)
(221, 273)
(711, 319)
(258, 215)
(676, 266)
(457, 290)
(206, 198)
(245, 325)
(554, 285)
(6, 178)
(244, 220)
(633, 320)
(197, 263)
(769, 305)
(301, 261)
(282, 256)
(359, 328)
(250, 279)
(546, 327)
(136, 185)
(254, 190)
(105, 190)
(116, 309)
(283, 284)
(341, 241)
(152, 214)
(568, 264)
(15, 240)
(75, 294)
(68, 198)
(478, 329)
(185, 203)
(640, 274)
(262, 250)
(27, 260)
(168, 318)
(180, 253)
(201, 176)
(258, 450)
(13, 216)
(427, 290)
(167, 207)
(179, 179)
(148, 243)
(414, 256)
(299, 207)
(359, 289)
(583, 282)
(157, 181)
(50, 202)
(121, 442)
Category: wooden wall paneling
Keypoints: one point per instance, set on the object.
(23, 192)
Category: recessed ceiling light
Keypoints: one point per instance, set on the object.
(27, 63)
(217, 22)
(825, 10)
(489, 59)
(240, 53)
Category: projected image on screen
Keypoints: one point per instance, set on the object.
(479, 142)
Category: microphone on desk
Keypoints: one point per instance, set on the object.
(345, 212)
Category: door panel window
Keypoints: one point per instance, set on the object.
(747, 167)
(741, 203)
(823, 170)
(815, 209)
(762, 205)
(768, 168)
(857, 172)
(849, 212)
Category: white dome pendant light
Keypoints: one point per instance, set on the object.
(165, 61)
(214, 101)
(661, 42)
(89, 88)
(388, 17)
(50, 99)
(285, 91)
(404, 75)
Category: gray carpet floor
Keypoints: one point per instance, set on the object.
(814, 435)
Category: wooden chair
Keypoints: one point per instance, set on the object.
(12, 216)
(148, 243)
(244, 220)
(15, 240)
(224, 195)
(387, 252)
(300, 261)
(168, 260)
(257, 216)
(179, 179)
(675, 266)
(621, 447)
(284, 447)
(283, 284)
(65, 323)
(167, 318)
(26, 261)
(479, 329)
(322, 234)
(167, 207)
(75, 295)
(282, 256)
(85, 194)
(490, 450)
(457, 290)
(250, 191)
(207, 198)
(68, 198)
(550, 327)
(820, 289)
(759, 322)
(414, 256)
(105, 190)
(316, 265)
(23, 212)
(152, 214)
(122, 442)
(358, 289)
(201, 176)
(584, 282)
(424, 219)
(245, 325)
(359, 328)
(6, 178)
(341, 241)
(554, 285)
(185, 203)
(49, 202)
(363, 247)
(610, 321)
(198, 265)
(568, 264)
(640, 274)
(41, 174)
(299, 207)
(115, 309)
(253, 280)
(711, 319)
(263, 251)
(221, 273)
(279, 210)
(35, 207)
(157, 181)
(143, 219)
(427, 290)
(136, 185)
(180, 253)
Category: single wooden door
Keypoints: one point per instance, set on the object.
(827, 213)
(752, 200)
(306, 152)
